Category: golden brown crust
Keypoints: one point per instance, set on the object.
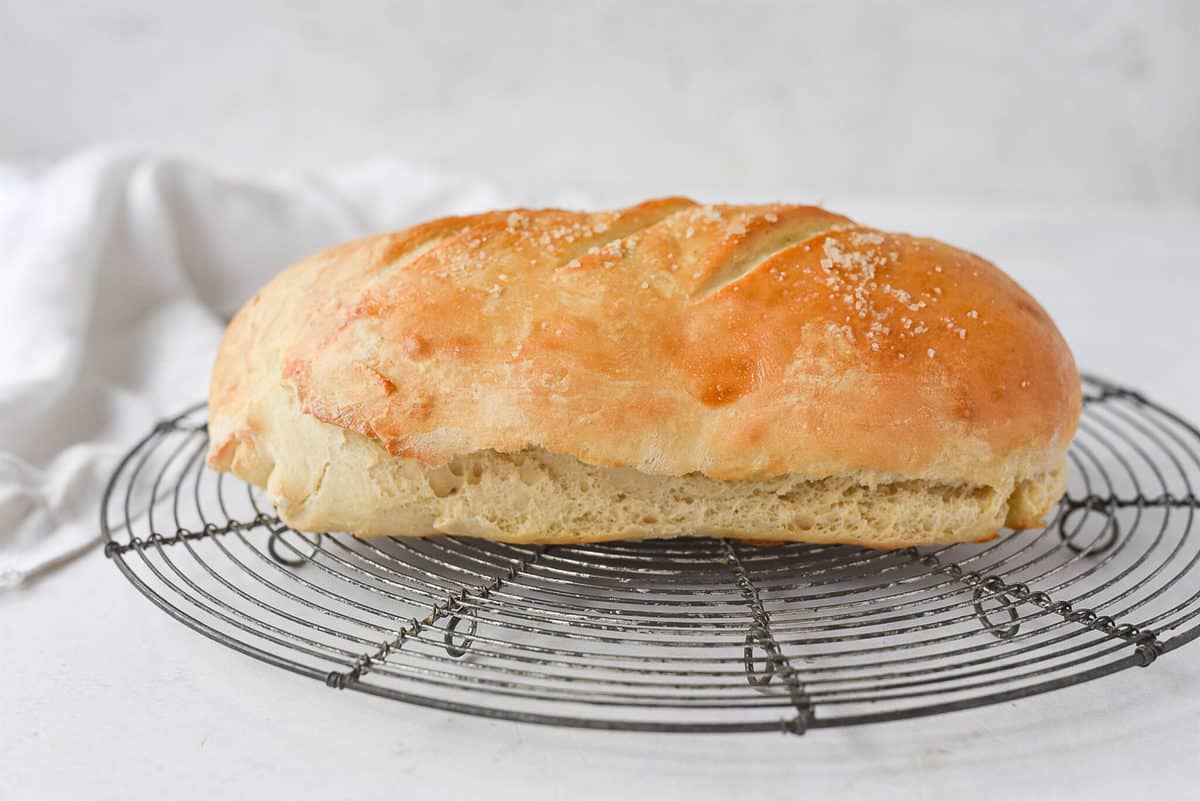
(736, 342)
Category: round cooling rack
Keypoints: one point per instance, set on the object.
(693, 635)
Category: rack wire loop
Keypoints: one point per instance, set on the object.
(760, 633)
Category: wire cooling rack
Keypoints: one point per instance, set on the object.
(696, 635)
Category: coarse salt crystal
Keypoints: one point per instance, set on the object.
(865, 238)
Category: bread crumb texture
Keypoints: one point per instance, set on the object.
(538, 497)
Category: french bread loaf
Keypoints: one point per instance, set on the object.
(771, 372)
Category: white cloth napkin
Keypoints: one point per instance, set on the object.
(117, 272)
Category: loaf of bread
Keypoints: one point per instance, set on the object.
(767, 373)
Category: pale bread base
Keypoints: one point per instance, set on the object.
(537, 497)
(325, 478)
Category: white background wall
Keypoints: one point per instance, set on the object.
(1042, 103)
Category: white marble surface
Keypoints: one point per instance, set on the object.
(104, 696)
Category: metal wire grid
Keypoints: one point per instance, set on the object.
(694, 635)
